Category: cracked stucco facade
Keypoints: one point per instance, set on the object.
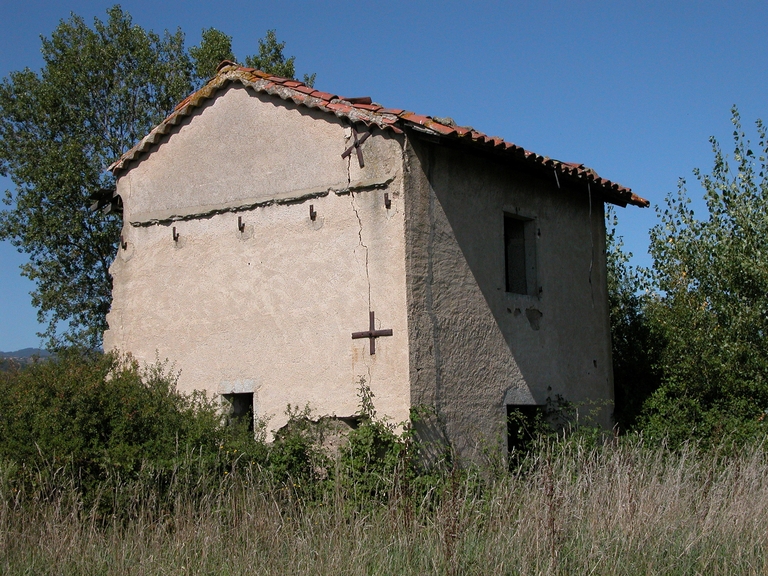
(271, 309)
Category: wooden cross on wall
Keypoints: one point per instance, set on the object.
(372, 333)
(356, 144)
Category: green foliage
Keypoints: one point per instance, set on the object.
(374, 451)
(99, 415)
(101, 89)
(636, 346)
(296, 455)
(100, 418)
(214, 48)
(711, 303)
(272, 60)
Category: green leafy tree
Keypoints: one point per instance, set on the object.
(711, 301)
(271, 59)
(214, 48)
(101, 89)
(635, 344)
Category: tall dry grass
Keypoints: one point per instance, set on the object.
(570, 509)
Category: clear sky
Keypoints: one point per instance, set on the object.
(631, 89)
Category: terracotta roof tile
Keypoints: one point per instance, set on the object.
(371, 107)
(395, 111)
(337, 106)
(324, 95)
(362, 109)
(444, 130)
(415, 118)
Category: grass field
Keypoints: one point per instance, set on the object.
(569, 509)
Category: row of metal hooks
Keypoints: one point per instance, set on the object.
(313, 212)
(241, 224)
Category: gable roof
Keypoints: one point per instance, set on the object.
(363, 110)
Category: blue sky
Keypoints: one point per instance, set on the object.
(632, 89)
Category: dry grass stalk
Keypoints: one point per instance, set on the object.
(624, 509)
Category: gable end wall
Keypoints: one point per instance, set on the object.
(269, 309)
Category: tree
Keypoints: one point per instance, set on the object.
(271, 59)
(635, 344)
(214, 48)
(710, 304)
(101, 89)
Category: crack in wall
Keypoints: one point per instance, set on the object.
(360, 243)
(360, 240)
(360, 228)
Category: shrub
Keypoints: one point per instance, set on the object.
(100, 414)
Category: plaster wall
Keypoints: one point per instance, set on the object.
(475, 347)
(271, 309)
(240, 147)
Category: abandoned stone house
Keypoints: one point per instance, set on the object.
(283, 245)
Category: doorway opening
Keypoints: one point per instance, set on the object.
(524, 423)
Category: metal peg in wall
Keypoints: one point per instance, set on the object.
(312, 213)
(240, 224)
(387, 201)
(175, 235)
(123, 243)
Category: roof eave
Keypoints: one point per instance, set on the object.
(371, 114)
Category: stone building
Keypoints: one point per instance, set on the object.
(283, 245)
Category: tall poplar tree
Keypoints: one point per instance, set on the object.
(710, 303)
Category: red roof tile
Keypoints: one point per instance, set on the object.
(363, 110)
(371, 107)
(415, 118)
(395, 111)
(444, 130)
(324, 95)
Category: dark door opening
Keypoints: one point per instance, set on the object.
(524, 423)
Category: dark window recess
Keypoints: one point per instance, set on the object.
(241, 409)
(524, 422)
(515, 255)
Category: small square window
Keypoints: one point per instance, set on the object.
(240, 409)
(519, 255)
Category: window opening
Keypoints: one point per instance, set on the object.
(519, 255)
(514, 243)
(240, 409)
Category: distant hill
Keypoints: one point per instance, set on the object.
(20, 358)
(25, 353)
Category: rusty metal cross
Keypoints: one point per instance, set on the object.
(356, 147)
(372, 333)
